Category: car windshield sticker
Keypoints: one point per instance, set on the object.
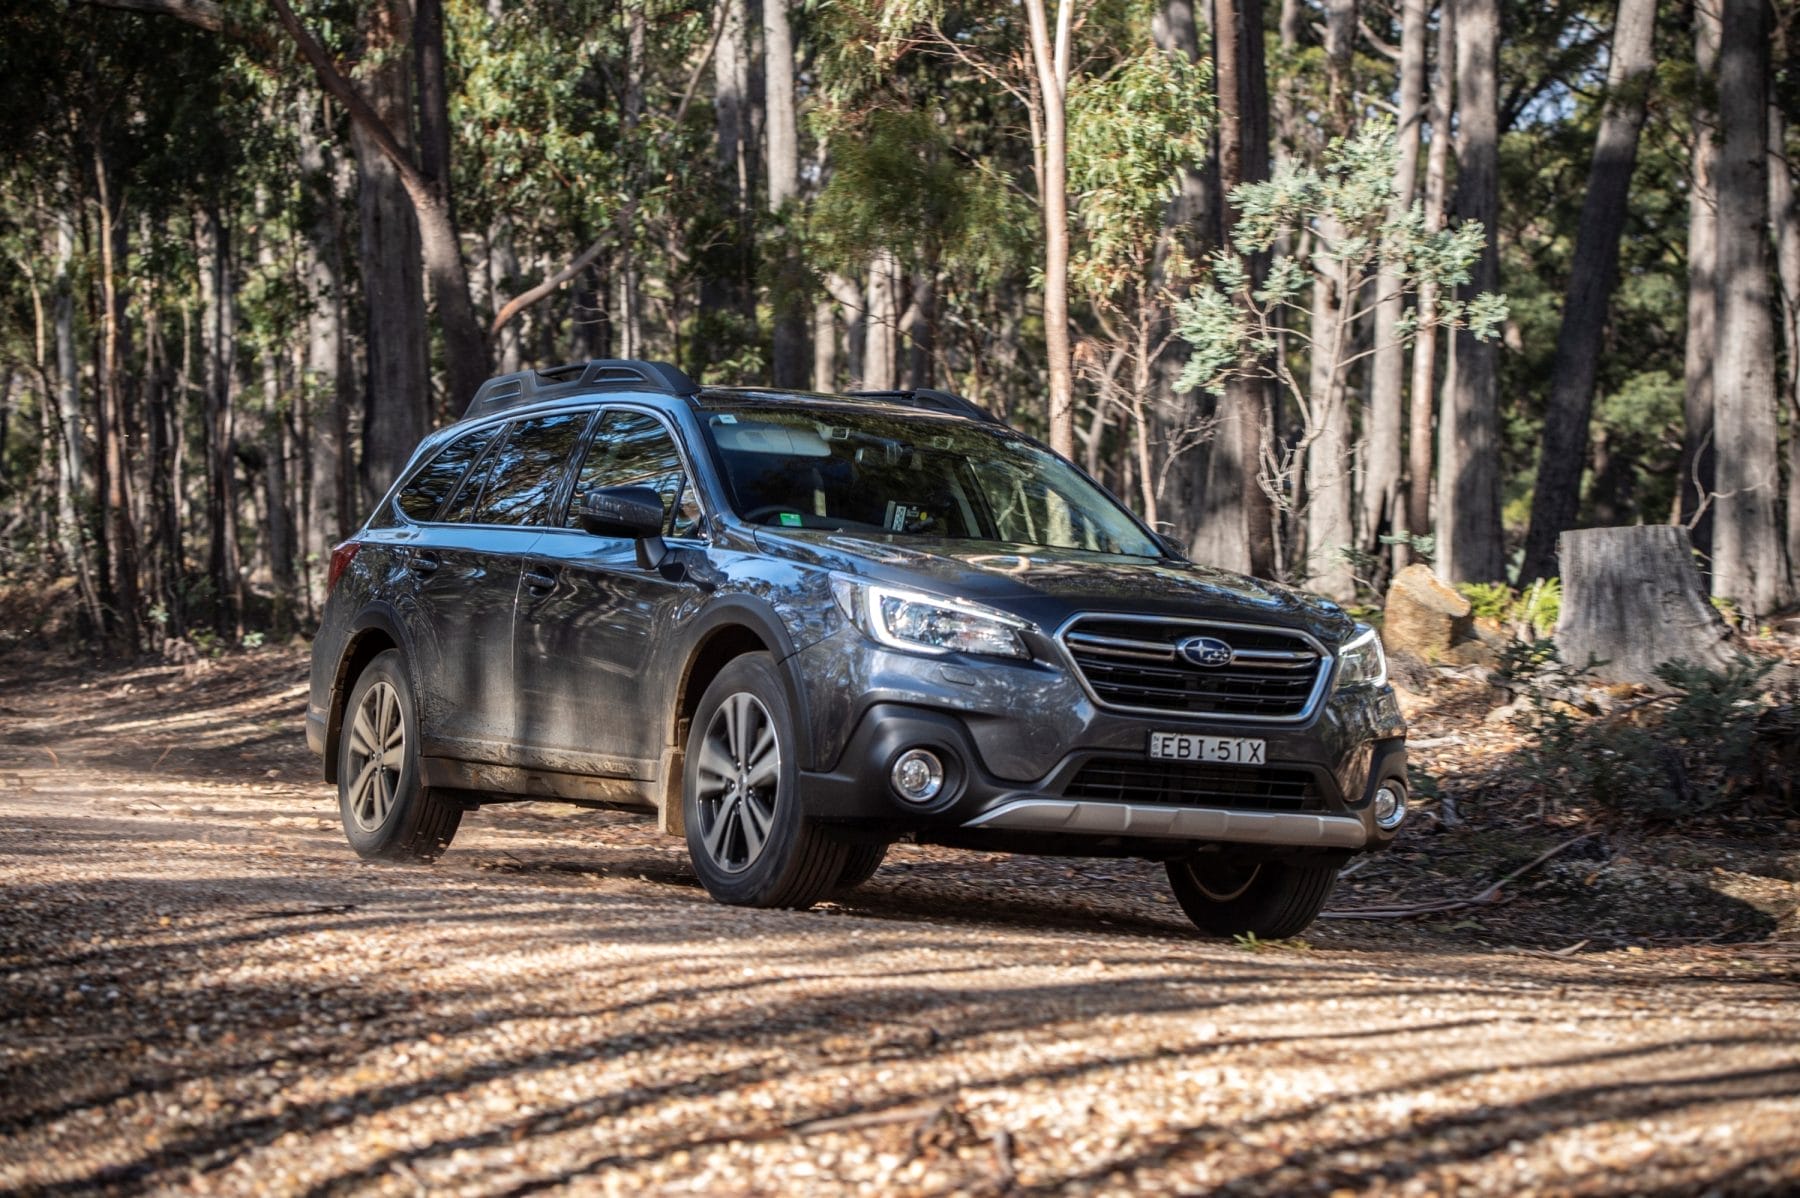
(790, 519)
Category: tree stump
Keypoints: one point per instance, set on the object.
(1423, 615)
(1632, 598)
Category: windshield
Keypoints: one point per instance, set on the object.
(874, 472)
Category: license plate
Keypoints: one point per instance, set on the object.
(1225, 750)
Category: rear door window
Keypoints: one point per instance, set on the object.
(525, 471)
(631, 449)
(423, 496)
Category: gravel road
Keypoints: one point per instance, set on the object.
(202, 990)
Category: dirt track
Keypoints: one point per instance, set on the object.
(200, 988)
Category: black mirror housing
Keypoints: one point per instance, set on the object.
(634, 512)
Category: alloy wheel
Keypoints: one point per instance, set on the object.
(377, 752)
(739, 783)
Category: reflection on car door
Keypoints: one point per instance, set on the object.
(594, 684)
(468, 565)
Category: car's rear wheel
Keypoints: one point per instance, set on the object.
(1227, 895)
(388, 811)
(751, 843)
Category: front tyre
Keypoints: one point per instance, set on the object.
(751, 844)
(1233, 896)
(388, 812)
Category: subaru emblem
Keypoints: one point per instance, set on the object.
(1208, 651)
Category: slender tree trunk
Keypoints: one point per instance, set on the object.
(1468, 539)
(398, 399)
(1593, 272)
(1749, 554)
(1050, 53)
(1387, 367)
(733, 148)
(1328, 476)
(921, 330)
(1236, 529)
(782, 144)
(1693, 505)
(219, 335)
(852, 302)
(1784, 213)
(881, 365)
(71, 458)
(115, 503)
(1421, 414)
(326, 389)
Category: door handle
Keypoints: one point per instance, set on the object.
(539, 580)
(425, 563)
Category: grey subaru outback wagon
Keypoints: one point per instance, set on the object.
(799, 628)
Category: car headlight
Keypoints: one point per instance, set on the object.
(1361, 661)
(927, 624)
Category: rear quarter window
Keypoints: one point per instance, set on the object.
(423, 496)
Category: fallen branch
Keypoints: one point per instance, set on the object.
(1480, 899)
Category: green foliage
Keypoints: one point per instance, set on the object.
(1698, 750)
(1132, 133)
(1535, 609)
(1232, 324)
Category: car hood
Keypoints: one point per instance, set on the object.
(1047, 586)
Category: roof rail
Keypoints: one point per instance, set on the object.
(602, 374)
(933, 400)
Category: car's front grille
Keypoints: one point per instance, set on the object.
(1270, 673)
(1188, 784)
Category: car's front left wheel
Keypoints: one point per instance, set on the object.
(1227, 895)
(388, 811)
(751, 843)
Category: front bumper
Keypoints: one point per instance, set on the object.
(975, 807)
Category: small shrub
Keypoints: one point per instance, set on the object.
(1490, 600)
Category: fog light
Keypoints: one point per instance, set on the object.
(1390, 807)
(918, 775)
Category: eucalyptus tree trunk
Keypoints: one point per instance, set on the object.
(733, 148)
(114, 424)
(880, 364)
(1236, 527)
(1329, 474)
(1749, 554)
(1784, 213)
(852, 303)
(218, 335)
(781, 141)
(1468, 538)
(1421, 415)
(1387, 366)
(628, 315)
(71, 459)
(326, 385)
(1694, 489)
(398, 398)
(1593, 273)
(1050, 55)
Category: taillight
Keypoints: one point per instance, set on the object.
(341, 557)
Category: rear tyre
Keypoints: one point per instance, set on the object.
(1233, 896)
(860, 864)
(751, 844)
(389, 813)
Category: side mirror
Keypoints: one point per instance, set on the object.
(633, 512)
(1172, 546)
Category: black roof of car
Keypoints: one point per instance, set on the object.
(527, 388)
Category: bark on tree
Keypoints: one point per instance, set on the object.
(71, 459)
(1468, 525)
(733, 149)
(1328, 474)
(1050, 55)
(1632, 599)
(781, 139)
(1421, 416)
(114, 424)
(1693, 505)
(1784, 214)
(1749, 554)
(397, 402)
(218, 335)
(1236, 524)
(880, 364)
(1593, 272)
(327, 386)
(1384, 425)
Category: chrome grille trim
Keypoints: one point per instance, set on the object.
(1314, 655)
